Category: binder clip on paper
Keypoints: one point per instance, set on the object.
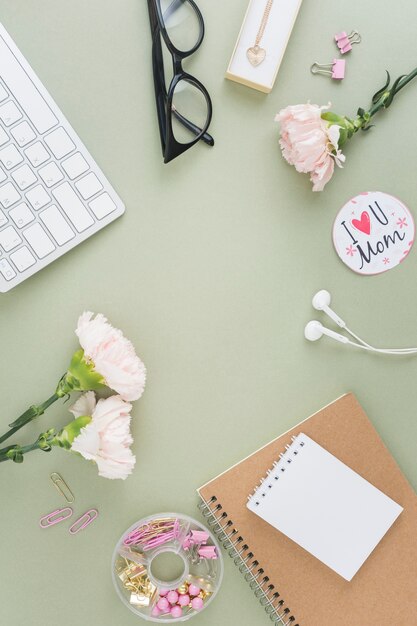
(336, 69)
(344, 41)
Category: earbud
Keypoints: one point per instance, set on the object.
(314, 331)
(321, 302)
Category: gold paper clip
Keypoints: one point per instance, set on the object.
(62, 487)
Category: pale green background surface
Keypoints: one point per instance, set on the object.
(210, 273)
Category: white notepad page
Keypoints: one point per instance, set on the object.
(324, 506)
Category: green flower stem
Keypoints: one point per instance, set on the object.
(407, 79)
(381, 103)
(5, 453)
(62, 439)
(81, 376)
(16, 453)
(32, 413)
(381, 100)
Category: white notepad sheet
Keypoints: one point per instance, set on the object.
(324, 506)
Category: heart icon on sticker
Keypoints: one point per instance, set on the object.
(364, 224)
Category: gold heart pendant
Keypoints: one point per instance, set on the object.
(256, 55)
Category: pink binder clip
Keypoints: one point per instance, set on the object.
(336, 69)
(55, 517)
(344, 41)
(83, 521)
(340, 36)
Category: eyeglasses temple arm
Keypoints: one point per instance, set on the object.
(208, 139)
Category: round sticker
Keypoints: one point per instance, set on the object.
(373, 232)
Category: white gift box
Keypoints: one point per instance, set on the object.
(274, 41)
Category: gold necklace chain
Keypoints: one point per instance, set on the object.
(264, 22)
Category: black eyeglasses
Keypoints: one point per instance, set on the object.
(184, 107)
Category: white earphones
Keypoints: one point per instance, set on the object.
(314, 330)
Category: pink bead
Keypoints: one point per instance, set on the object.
(163, 592)
(156, 612)
(163, 604)
(172, 597)
(184, 600)
(197, 603)
(176, 611)
(193, 590)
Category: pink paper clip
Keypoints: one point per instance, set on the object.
(344, 41)
(55, 517)
(336, 69)
(83, 521)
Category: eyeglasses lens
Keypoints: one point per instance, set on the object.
(189, 111)
(181, 23)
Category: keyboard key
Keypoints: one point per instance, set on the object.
(24, 90)
(59, 143)
(2, 175)
(75, 166)
(8, 195)
(4, 137)
(23, 258)
(23, 134)
(9, 113)
(38, 197)
(39, 240)
(10, 156)
(21, 215)
(3, 219)
(6, 269)
(3, 93)
(24, 177)
(51, 174)
(56, 224)
(73, 207)
(89, 186)
(9, 238)
(37, 154)
(102, 206)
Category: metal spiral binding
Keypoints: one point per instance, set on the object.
(246, 562)
(279, 468)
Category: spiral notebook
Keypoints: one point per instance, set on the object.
(324, 506)
(295, 587)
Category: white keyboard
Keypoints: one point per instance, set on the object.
(52, 193)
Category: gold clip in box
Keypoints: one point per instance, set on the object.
(262, 41)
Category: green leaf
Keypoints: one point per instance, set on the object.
(65, 438)
(379, 93)
(361, 112)
(15, 454)
(333, 118)
(343, 137)
(393, 91)
(44, 441)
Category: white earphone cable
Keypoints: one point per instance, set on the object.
(383, 350)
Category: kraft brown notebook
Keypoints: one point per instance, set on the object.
(293, 586)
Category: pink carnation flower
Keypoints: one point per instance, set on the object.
(113, 355)
(106, 440)
(309, 143)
